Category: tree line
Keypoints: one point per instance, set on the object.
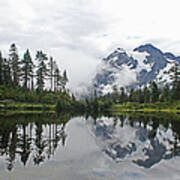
(151, 93)
(30, 75)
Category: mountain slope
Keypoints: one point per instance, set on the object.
(132, 69)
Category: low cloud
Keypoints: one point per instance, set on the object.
(79, 33)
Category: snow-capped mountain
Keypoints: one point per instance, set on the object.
(134, 68)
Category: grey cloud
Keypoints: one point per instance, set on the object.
(64, 25)
(55, 26)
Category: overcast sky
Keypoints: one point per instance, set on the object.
(78, 33)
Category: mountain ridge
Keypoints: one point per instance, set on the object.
(135, 68)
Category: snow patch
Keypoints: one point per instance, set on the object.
(141, 57)
(165, 74)
(121, 50)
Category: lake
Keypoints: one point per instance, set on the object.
(122, 147)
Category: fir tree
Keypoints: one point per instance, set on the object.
(1, 69)
(15, 65)
(57, 79)
(115, 94)
(7, 77)
(140, 96)
(27, 69)
(95, 104)
(122, 95)
(165, 95)
(154, 92)
(146, 94)
(42, 70)
(64, 80)
(131, 95)
(176, 82)
(51, 66)
(73, 98)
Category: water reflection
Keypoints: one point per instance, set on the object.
(145, 140)
(141, 139)
(31, 136)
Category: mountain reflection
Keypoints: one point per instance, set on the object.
(141, 139)
(27, 137)
(145, 140)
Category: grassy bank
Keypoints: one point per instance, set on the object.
(146, 107)
(8, 107)
(24, 112)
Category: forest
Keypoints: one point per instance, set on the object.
(152, 97)
(31, 80)
(28, 83)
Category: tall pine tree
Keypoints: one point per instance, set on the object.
(176, 82)
(42, 70)
(57, 79)
(7, 75)
(15, 65)
(51, 66)
(64, 80)
(27, 69)
(154, 92)
(1, 68)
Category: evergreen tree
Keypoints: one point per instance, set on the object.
(131, 95)
(32, 76)
(122, 95)
(165, 95)
(57, 78)
(64, 80)
(7, 77)
(51, 66)
(73, 98)
(115, 94)
(146, 94)
(15, 65)
(42, 70)
(176, 82)
(1, 68)
(27, 69)
(154, 92)
(95, 104)
(140, 96)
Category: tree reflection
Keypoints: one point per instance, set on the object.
(24, 144)
(26, 136)
(12, 148)
(35, 138)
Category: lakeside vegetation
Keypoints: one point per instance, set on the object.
(26, 88)
(150, 98)
(31, 84)
(147, 107)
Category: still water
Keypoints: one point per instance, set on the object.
(124, 147)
